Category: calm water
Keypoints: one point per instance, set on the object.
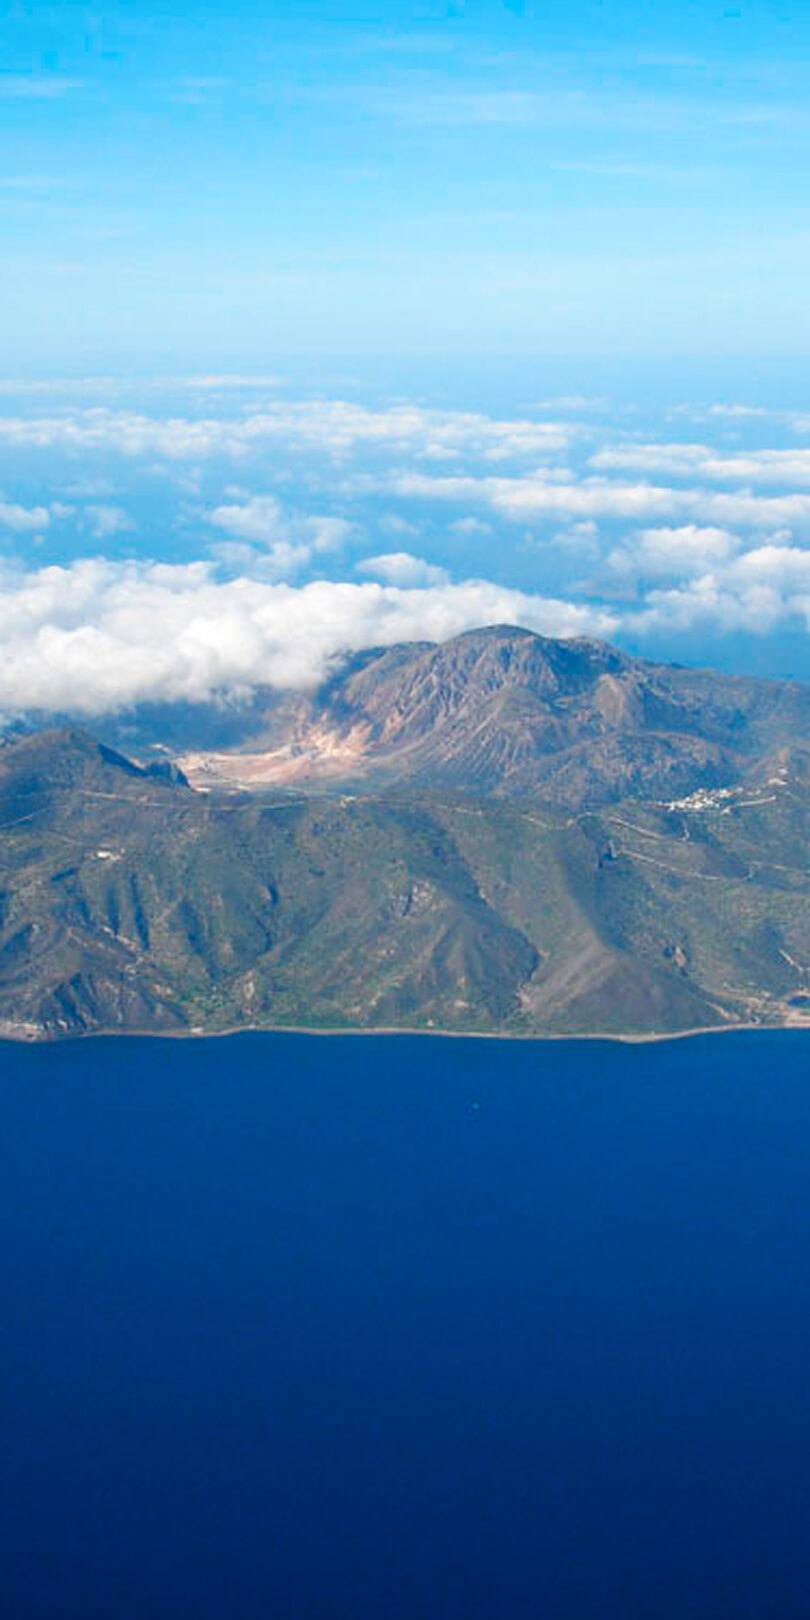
(396, 1327)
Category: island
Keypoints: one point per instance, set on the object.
(498, 835)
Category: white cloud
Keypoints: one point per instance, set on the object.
(706, 545)
(227, 380)
(289, 541)
(400, 568)
(23, 519)
(336, 427)
(666, 553)
(100, 635)
(540, 495)
(706, 603)
(105, 521)
(470, 526)
(258, 519)
(758, 590)
(281, 560)
(786, 568)
(688, 460)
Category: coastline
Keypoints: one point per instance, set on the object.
(30, 1036)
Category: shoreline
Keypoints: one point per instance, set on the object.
(28, 1036)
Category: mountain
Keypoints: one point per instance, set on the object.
(130, 901)
(505, 713)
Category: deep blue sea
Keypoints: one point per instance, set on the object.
(398, 1327)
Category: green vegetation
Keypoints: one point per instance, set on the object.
(130, 902)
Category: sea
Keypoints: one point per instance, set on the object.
(349, 1327)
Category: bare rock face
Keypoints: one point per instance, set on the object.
(504, 712)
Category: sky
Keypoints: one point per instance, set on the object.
(567, 184)
(329, 326)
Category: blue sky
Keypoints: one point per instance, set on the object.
(391, 190)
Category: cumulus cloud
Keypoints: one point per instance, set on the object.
(258, 519)
(673, 537)
(757, 590)
(288, 541)
(672, 553)
(400, 568)
(281, 560)
(100, 636)
(706, 603)
(23, 519)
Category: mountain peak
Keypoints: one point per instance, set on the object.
(505, 711)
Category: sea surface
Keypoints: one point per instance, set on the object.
(397, 1327)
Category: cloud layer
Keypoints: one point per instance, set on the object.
(407, 511)
(555, 496)
(333, 426)
(101, 636)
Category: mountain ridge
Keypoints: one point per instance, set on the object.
(131, 901)
(507, 712)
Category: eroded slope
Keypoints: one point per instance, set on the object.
(129, 901)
